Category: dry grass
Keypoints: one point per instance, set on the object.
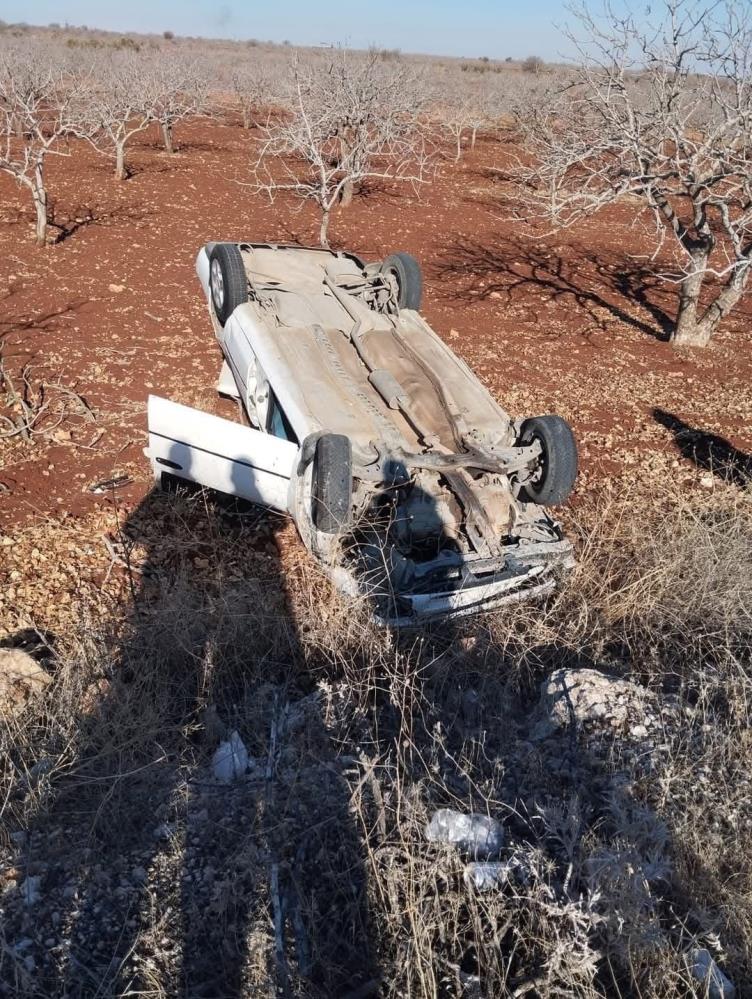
(313, 876)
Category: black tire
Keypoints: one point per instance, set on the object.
(558, 468)
(227, 280)
(332, 483)
(406, 270)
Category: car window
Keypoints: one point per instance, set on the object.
(277, 423)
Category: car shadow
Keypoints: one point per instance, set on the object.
(474, 270)
(710, 452)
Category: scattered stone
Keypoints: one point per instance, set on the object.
(21, 679)
(477, 835)
(116, 289)
(230, 761)
(139, 875)
(18, 838)
(44, 766)
(704, 969)
(589, 697)
(163, 831)
(707, 481)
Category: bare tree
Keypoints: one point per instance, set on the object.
(533, 64)
(661, 111)
(350, 118)
(36, 100)
(117, 106)
(456, 116)
(178, 89)
(464, 113)
(251, 87)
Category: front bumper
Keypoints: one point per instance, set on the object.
(525, 575)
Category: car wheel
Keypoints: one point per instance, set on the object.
(558, 464)
(228, 281)
(332, 483)
(409, 277)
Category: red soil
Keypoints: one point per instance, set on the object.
(115, 312)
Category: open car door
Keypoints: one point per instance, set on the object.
(220, 454)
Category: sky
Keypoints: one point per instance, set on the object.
(493, 28)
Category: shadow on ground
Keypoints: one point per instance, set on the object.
(601, 287)
(150, 869)
(710, 452)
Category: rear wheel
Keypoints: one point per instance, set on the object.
(332, 483)
(557, 472)
(407, 273)
(228, 282)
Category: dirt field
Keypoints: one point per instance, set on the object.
(115, 311)
(555, 324)
(170, 626)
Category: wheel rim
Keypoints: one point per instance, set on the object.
(217, 285)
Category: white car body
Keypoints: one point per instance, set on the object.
(319, 349)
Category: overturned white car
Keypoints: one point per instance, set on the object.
(401, 472)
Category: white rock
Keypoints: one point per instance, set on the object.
(21, 678)
(230, 760)
(707, 481)
(704, 969)
(587, 696)
(477, 835)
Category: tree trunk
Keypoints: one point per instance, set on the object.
(459, 146)
(348, 189)
(346, 195)
(474, 137)
(718, 309)
(692, 331)
(246, 116)
(39, 194)
(120, 170)
(324, 231)
(167, 137)
(686, 332)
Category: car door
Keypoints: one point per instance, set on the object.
(220, 454)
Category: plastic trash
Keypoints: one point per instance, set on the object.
(477, 835)
(30, 890)
(230, 761)
(489, 874)
(704, 969)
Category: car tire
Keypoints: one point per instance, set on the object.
(558, 460)
(409, 277)
(228, 282)
(332, 483)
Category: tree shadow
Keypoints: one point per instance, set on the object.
(710, 452)
(595, 283)
(68, 223)
(44, 321)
